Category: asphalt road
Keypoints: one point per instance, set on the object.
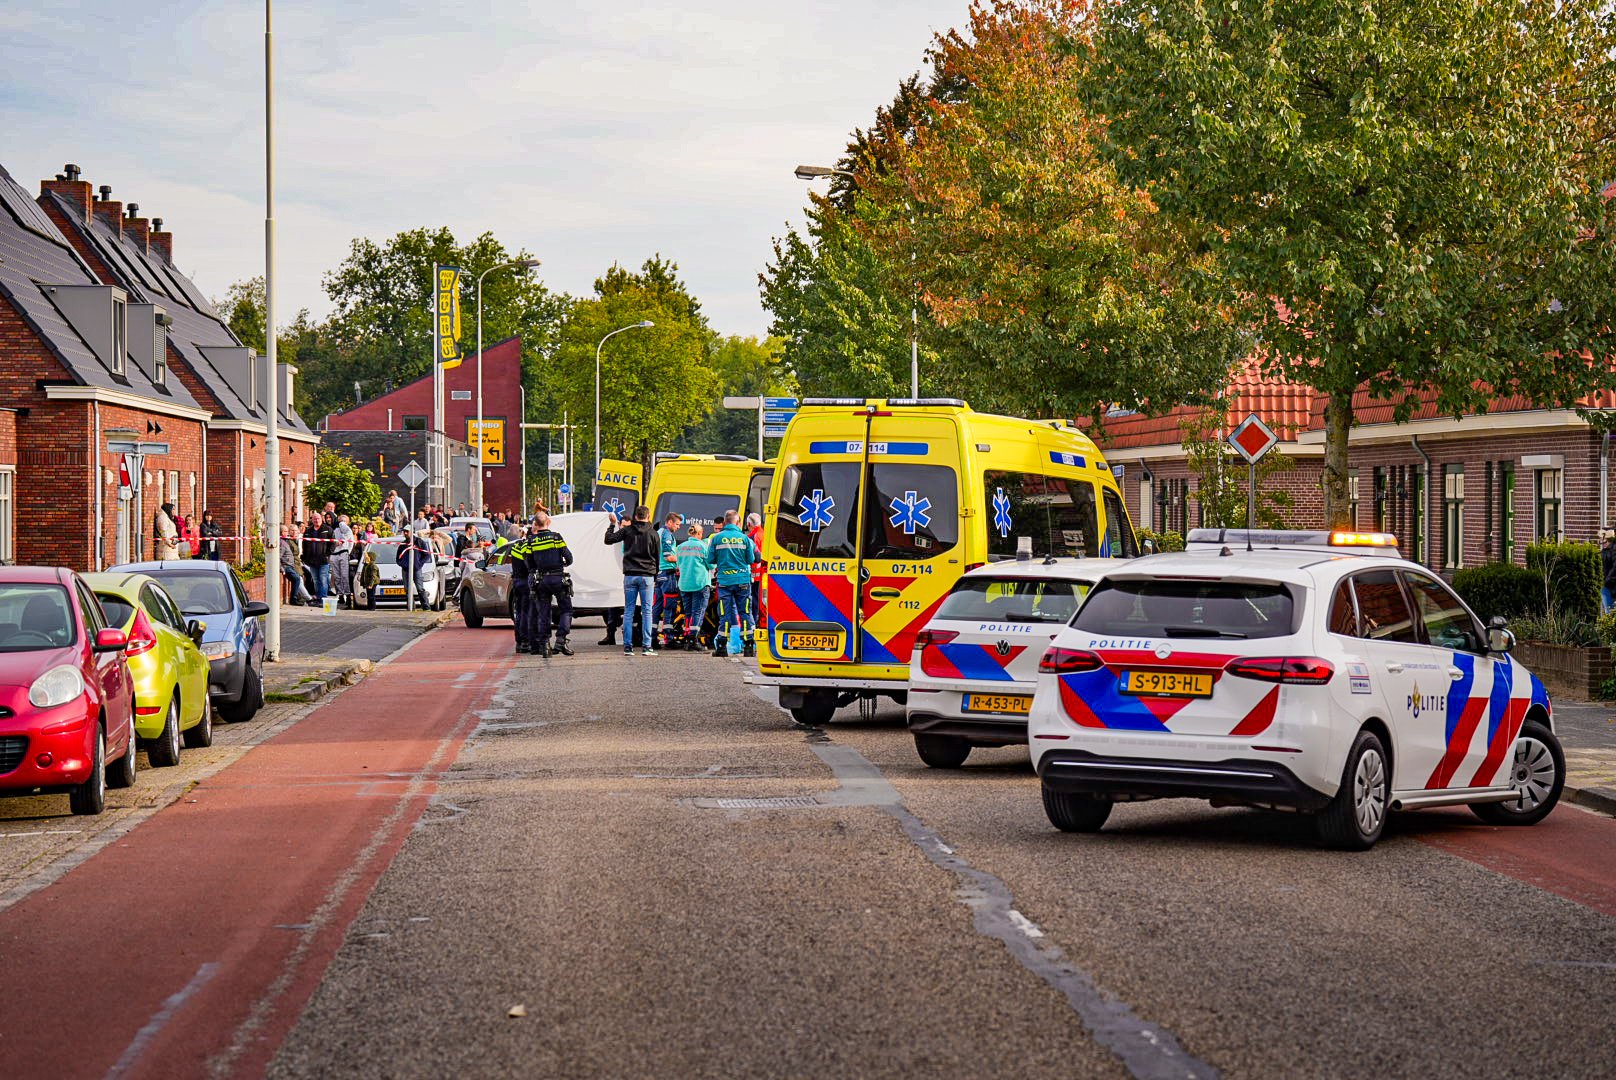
(666, 877)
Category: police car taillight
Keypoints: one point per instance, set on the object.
(934, 637)
(1059, 661)
(1290, 670)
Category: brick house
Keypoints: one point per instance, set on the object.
(409, 408)
(1456, 492)
(80, 364)
(221, 374)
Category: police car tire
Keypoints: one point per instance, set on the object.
(1510, 813)
(816, 710)
(1071, 811)
(941, 751)
(469, 612)
(1338, 823)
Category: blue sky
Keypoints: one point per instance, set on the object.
(586, 133)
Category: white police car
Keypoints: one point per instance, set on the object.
(975, 665)
(1317, 672)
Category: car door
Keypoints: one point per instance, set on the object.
(250, 635)
(191, 673)
(1473, 689)
(109, 671)
(1399, 667)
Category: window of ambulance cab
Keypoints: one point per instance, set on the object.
(1446, 622)
(1031, 600)
(757, 492)
(1058, 512)
(818, 511)
(912, 512)
(1383, 610)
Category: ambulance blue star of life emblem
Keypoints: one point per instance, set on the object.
(910, 512)
(1001, 512)
(614, 506)
(816, 510)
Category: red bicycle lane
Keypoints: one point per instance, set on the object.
(1571, 853)
(189, 947)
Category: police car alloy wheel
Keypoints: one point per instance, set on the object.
(1537, 772)
(1356, 816)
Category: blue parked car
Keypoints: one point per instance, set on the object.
(233, 628)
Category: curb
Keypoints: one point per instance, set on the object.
(314, 691)
(1602, 800)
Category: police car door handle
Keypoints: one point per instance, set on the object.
(885, 594)
(1395, 668)
(1455, 673)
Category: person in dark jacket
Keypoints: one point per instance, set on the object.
(317, 553)
(209, 530)
(1607, 562)
(547, 560)
(642, 552)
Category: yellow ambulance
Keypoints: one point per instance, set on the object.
(618, 485)
(876, 509)
(703, 486)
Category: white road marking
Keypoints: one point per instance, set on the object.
(159, 1020)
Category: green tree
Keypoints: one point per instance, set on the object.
(746, 367)
(1402, 195)
(343, 482)
(655, 383)
(242, 310)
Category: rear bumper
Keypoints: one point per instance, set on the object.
(790, 691)
(225, 676)
(1238, 780)
(977, 730)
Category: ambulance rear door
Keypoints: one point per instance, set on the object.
(618, 487)
(812, 538)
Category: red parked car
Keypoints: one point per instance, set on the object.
(66, 697)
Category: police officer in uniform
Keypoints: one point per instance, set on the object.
(547, 559)
(521, 595)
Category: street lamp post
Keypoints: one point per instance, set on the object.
(272, 440)
(645, 324)
(815, 172)
(526, 264)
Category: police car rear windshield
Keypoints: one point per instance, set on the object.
(1033, 600)
(1187, 609)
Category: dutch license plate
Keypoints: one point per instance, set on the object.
(392, 592)
(1014, 704)
(1167, 683)
(813, 642)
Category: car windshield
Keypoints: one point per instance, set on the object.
(197, 592)
(34, 616)
(119, 610)
(1187, 609)
(1043, 600)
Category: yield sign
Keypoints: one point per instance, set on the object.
(1253, 438)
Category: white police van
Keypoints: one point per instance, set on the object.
(1296, 670)
(975, 665)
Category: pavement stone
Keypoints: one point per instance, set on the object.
(1588, 733)
(320, 652)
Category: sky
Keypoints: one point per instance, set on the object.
(586, 133)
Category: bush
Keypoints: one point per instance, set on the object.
(254, 566)
(1574, 576)
(338, 480)
(1559, 628)
(1500, 589)
(1164, 541)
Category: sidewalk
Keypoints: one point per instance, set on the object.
(1588, 732)
(320, 652)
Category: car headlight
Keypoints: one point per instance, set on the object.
(56, 687)
(218, 650)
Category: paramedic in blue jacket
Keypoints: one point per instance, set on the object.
(733, 554)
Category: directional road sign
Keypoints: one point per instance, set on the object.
(780, 403)
(772, 431)
(1253, 438)
(411, 475)
(778, 417)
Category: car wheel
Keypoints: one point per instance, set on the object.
(90, 797)
(1071, 811)
(941, 751)
(245, 707)
(1537, 772)
(816, 710)
(1356, 817)
(201, 734)
(469, 612)
(164, 751)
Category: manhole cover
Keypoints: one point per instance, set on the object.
(778, 802)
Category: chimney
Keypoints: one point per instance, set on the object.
(110, 213)
(160, 242)
(74, 191)
(136, 229)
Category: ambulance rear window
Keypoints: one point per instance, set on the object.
(1174, 608)
(818, 509)
(913, 512)
(692, 506)
(1032, 600)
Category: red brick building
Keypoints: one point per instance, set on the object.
(409, 408)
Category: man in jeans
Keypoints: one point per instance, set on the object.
(641, 551)
(667, 576)
(317, 553)
(733, 554)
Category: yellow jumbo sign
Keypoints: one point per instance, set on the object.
(446, 305)
(491, 439)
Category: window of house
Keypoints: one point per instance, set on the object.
(160, 357)
(1146, 498)
(1453, 501)
(1382, 493)
(414, 423)
(1352, 497)
(120, 336)
(8, 519)
(1549, 487)
(1416, 538)
(1506, 511)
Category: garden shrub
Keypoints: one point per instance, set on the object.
(1574, 576)
(1500, 589)
(1164, 541)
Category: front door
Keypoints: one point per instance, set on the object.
(1474, 691)
(811, 614)
(1397, 667)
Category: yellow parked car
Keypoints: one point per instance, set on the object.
(170, 673)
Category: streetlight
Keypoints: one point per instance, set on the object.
(526, 264)
(643, 325)
(816, 172)
(272, 438)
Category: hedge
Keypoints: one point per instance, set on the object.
(1574, 573)
(1500, 589)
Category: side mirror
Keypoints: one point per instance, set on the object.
(194, 629)
(255, 609)
(110, 640)
(1148, 546)
(1499, 637)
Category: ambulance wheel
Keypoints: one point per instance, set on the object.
(941, 751)
(469, 612)
(1356, 817)
(816, 710)
(1537, 772)
(1070, 811)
